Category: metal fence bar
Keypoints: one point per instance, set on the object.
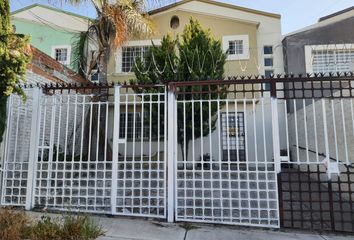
(33, 154)
(116, 143)
(171, 158)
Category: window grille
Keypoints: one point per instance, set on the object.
(130, 54)
(332, 61)
(236, 47)
(61, 55)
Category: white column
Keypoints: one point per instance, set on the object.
(33, 154)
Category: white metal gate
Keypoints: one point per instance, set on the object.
(97, 150)
(224, 168)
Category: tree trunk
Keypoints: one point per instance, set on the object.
(102, 96)
(3, 114)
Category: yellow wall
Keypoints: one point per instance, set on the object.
(219, 27)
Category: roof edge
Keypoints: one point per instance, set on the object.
(336, 14)
(50, 8)
(216, 3)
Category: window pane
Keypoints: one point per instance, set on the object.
(268, 62)
(344, 59)
(268, 50)
(61, 55)
(130, 54)
(323, 61)
(235, 47)
(268, 73)
(127, 128)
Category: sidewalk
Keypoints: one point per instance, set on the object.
(118, 228)
(123, 228)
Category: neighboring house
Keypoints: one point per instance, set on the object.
(53, 31)
(252, 37)
(41, 70)
(327, 46)
(45, 70)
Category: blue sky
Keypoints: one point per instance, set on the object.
(295, 13)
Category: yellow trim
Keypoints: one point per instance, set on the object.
(220, 4)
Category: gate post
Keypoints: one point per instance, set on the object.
(33, 152)
(116, 142)
(275, 125)
(171, 155)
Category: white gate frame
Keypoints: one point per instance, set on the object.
(116, 141)
(33, 154)
(171, 155)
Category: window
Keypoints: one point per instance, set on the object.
(268, 73)
(233, 136)
(329, 58)
(62, 54)
(268, 62)
(128, 128)
(130, 54)
(236, 47)
(332, 61)
(267, 50)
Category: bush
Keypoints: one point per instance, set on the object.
(45, 228)
(78, 227)
(15, 225)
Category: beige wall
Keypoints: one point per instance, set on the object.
(219, 27)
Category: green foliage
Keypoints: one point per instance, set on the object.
(14, 57)
(16, 225)
(194, 57)
(80, 227)
(45, 228)
(79, 51)
(70, 227)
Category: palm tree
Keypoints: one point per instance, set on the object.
(117, 21)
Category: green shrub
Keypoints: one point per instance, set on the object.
(78, 227)
(45, 228)
(15, 225)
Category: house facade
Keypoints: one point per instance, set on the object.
(327, 46)
(253, 41)
(252, 37)
(52, 31)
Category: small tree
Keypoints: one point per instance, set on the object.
(196, 57)
(14, 57)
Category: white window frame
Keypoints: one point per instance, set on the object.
(68, 47)
(137, 43)
(225, 45)
(310, 48)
